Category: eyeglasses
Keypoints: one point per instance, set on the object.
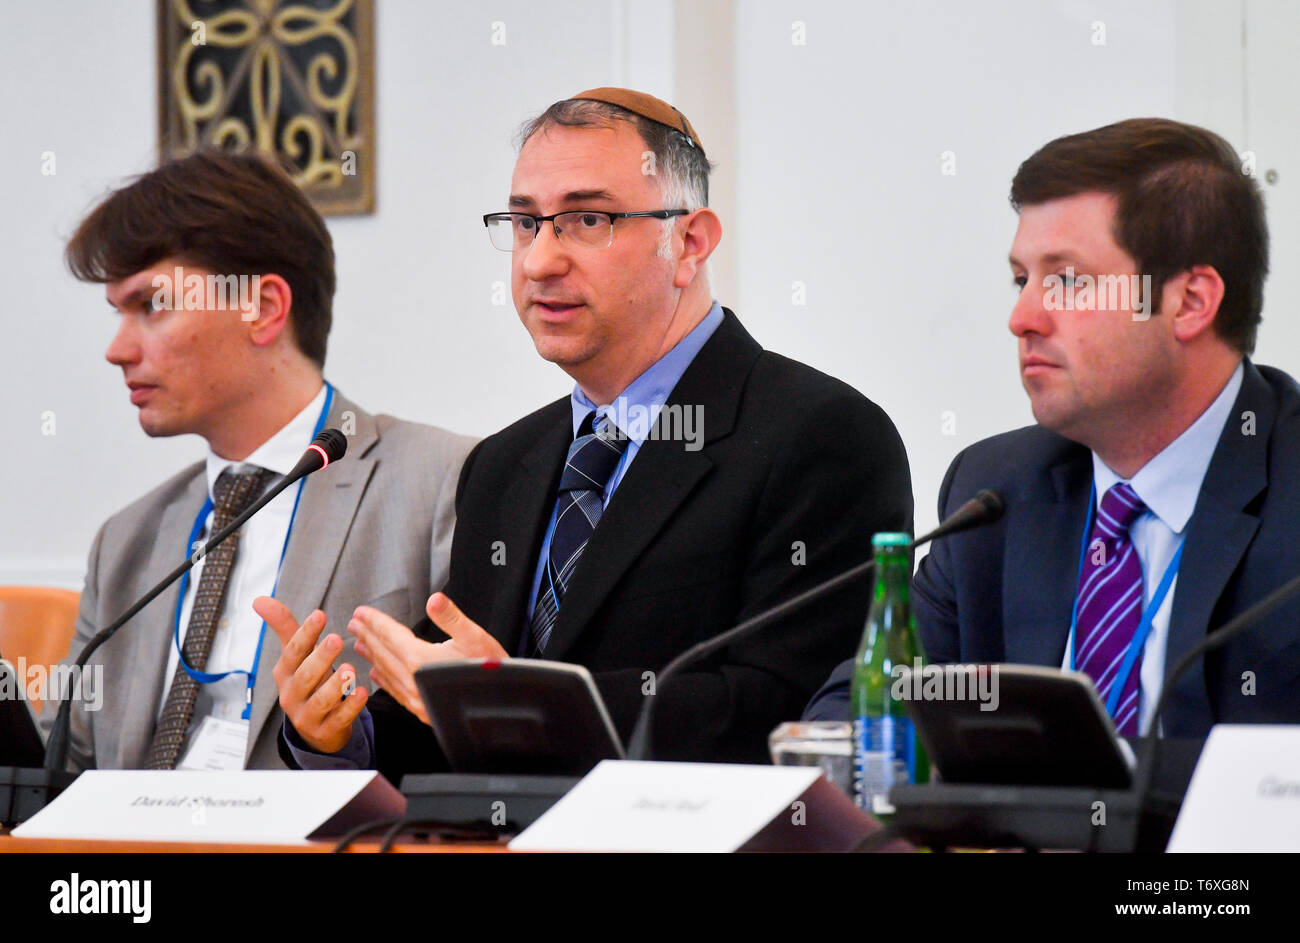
(586, 228)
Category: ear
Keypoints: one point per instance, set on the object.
(269, 315)
(1192, 300)
(700, 237)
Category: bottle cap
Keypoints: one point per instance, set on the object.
(888, 539)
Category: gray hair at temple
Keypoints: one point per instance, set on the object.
(680, 167)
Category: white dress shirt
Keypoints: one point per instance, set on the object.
(1169, 485)
(257, 564)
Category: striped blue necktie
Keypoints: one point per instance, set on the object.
(591, 461)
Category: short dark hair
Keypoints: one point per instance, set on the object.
(234, 214)
(1184, 200)
(683, 168)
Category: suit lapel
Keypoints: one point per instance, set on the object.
(1040, 572)
(655, 485)
(660, 478)
(1217, 537)
(525, 512)
(328, 504)
(142, 674)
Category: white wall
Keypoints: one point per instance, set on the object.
(415, 331)
(829, 174)
(842, 189)
(841, 183)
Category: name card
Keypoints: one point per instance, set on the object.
(238, 806)
(627, 805)
(1245, 792)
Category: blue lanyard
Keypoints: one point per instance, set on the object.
(1148, 614)
(200, 523)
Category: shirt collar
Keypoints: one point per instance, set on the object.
(635, 409)
(1170, 483)
(280, 452)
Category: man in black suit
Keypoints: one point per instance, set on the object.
(1158, 396)
(691, 480)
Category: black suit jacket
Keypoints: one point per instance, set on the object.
(796, 472)
(1004, 593)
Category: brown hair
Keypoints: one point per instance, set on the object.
(1184, 200)
(233, 214)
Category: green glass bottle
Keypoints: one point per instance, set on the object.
(886, 748)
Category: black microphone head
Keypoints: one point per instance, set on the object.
(333, 443)
(992, 503)
(984, 508)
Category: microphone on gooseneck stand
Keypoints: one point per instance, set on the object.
(1048, 816)
(985, 508)
(329, 446)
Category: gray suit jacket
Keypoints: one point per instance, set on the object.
(375, 529)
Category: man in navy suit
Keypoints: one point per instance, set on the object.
(1159, 492)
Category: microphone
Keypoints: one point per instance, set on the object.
(985, 508)
(329, 446)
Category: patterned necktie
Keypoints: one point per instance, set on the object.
(233, 494)
(1110, 603)
(591, 461)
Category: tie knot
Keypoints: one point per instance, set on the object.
(1120, 507)
(591, 425)
(235, 491)
(593, 456)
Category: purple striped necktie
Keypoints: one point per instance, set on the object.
(1110, 603)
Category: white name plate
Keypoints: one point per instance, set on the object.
(236, 806)
(1245, 792)
(626, 805)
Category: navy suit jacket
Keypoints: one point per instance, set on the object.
(1004, 593)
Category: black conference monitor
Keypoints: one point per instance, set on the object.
(21, 743)
(1048, 728)
(518, 717)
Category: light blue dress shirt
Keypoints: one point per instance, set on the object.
(634, 412)
(1169, 485)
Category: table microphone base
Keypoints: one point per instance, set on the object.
(482, 801)
(24, 791)
(951, 815)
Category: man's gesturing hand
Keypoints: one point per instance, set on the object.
(395, 652)
(320, 702)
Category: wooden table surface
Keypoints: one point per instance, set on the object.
(10, 844)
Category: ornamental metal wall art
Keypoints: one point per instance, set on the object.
(294, 79)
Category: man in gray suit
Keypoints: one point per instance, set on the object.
(222, 274)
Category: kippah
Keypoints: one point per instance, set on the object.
(647, 106)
